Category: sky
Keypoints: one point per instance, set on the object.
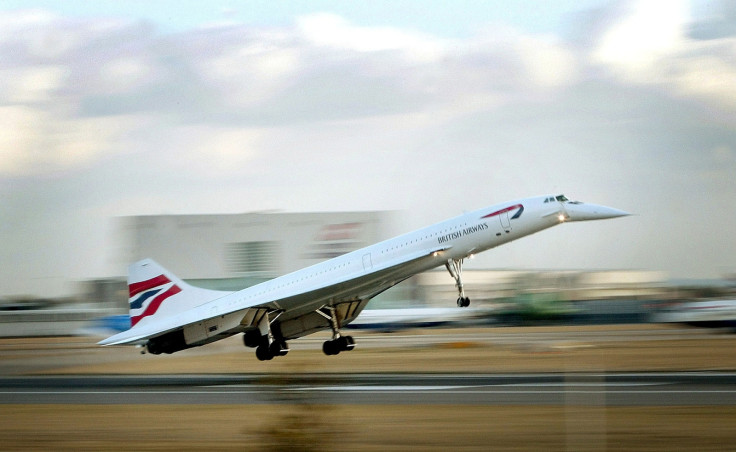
(429, 108)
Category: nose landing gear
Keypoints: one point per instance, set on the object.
(455, 267)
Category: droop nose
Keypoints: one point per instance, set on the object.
(578, 211)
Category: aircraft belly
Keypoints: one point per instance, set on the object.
(298, 313)
(227, 324)
(293, 328)
(362, 288)
(303, 325)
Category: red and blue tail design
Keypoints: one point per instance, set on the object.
(147, 296)
(156, 292)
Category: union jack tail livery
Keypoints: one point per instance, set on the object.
(155, 292)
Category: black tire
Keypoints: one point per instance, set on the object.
(252, 339)
(342, 343)
(330, 348)
(263, 353)
(349, 343)
(278, 348)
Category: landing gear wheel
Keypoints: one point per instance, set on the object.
(278, 348)
(263, 353)
(331, 348)
(345, 343)
(252, 339)
(349, 343)
(463, 302)
(339, 343)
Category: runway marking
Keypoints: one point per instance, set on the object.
(497, 392)
(378, 388)
(592, 384)
(369, 389)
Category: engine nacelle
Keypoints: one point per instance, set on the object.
(167, 343)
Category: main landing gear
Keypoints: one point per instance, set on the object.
(339, 343)
(267, 352)
(267, 339)
(455, 267)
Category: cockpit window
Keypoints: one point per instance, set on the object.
(561, 198)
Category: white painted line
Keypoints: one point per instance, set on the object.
(434, 389)
(378, 388)
(591, 384)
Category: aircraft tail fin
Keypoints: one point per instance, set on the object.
(155, 292)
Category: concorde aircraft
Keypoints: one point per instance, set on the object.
(168, 315)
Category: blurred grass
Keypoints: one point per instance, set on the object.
(364, 428)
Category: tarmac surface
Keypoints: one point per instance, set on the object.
(594, 388)
(616, 389)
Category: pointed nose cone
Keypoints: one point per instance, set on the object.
(578, 211)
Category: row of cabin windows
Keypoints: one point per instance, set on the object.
(425, 238)
(298, 280)
(445, 231)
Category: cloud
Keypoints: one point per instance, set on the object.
(523, 62)
(126, 74)
(648, 30)
(713, 20)
(209, 151)
(38, 142)
(331, 30)
(651, 44)
(247, 73)
(31, 84)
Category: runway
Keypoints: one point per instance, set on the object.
(611, 389)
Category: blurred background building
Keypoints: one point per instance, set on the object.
(229, 252)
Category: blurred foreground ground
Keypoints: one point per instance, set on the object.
(308, 425)
(639, 347)
(365, 428)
